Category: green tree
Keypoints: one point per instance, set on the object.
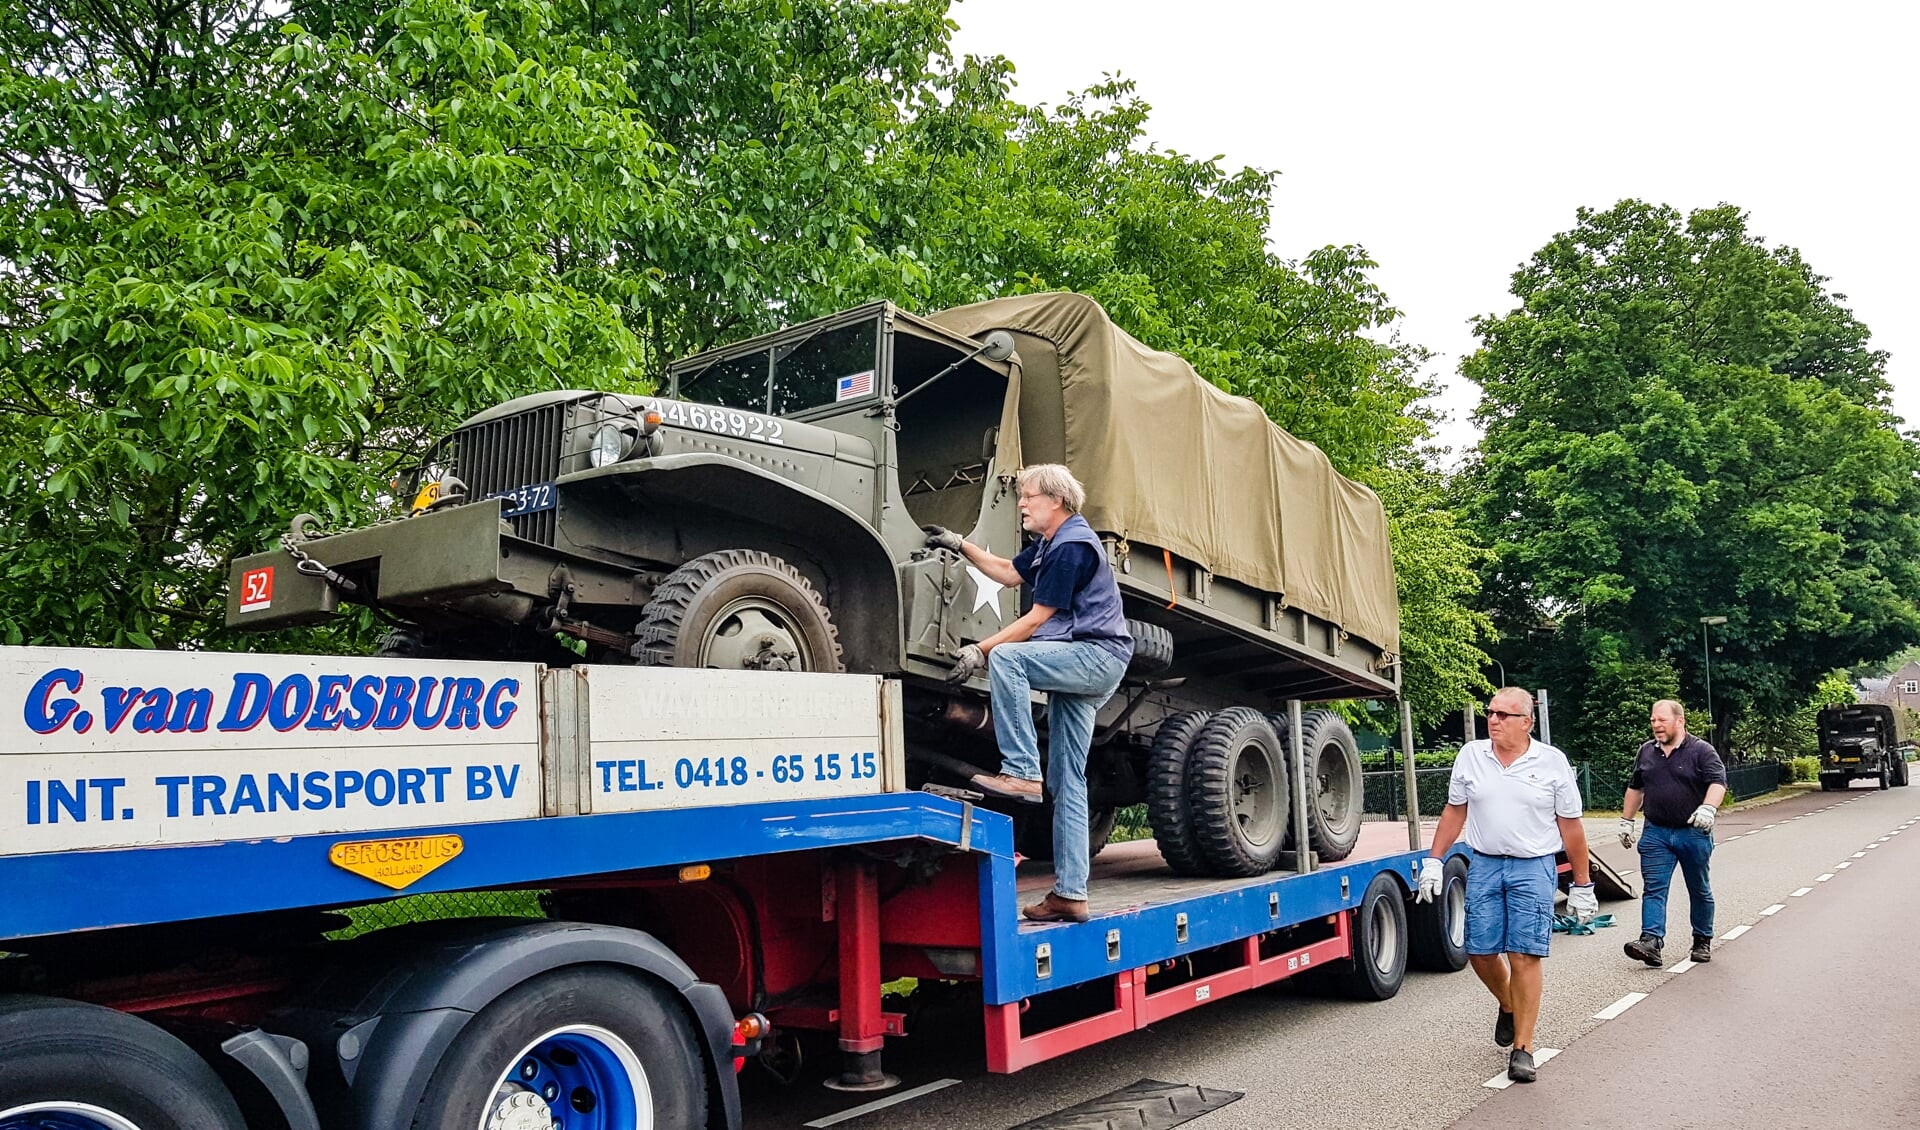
(1681, 421)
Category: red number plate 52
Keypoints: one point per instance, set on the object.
(256, 589)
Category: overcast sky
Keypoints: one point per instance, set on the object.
(1452, 140)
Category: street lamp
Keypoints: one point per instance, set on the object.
(1707, 654)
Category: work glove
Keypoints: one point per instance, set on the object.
(1703, 817)
(967, 662)
(939, 537)
(1627, 835)
(1583, 902)
(1432, 874)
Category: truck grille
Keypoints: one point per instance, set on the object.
(516, 451)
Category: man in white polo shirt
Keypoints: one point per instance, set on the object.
(1518, 803)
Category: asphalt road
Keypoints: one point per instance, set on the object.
(1423, 1058)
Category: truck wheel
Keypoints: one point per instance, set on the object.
(1333, 784)
(1033, 832)
(1437, 930)
(1283, 729)
(1886, 776)
(587, 1048)
(1237, 793)
(71, 1066)
(1152, 649)
(737, 609)
(1902, 773)
(1167, 812)
(1379, 944)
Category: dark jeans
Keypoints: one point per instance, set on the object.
(1662, 849)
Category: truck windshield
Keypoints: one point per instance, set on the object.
(825, 367)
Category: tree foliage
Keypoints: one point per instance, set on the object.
(1680, 422)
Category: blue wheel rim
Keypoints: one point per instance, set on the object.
(63, 1116)
(585, 1076)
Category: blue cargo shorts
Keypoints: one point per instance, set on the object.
(1510, 904)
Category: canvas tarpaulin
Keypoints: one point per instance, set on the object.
(1172, 461)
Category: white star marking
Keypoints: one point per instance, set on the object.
(986, 592)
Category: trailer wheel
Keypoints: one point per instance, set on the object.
(1886, 775)
(1152, 649)
(1437, 930)
(1167, 811)
(1902, 773)
(737, 609)
(71, 1066)
(1033, 831)
(1334, 802)
(1237, 793)
(1379, 944)
(587, 1048)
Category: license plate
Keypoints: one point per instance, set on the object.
(529, 499)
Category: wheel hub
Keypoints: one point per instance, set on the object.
(754, 635)
(522, 1110)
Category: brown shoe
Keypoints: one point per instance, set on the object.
(1053, 908)
(1008, 788)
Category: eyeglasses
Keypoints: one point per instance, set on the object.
(1492, 714)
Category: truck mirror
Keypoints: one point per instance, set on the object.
(999, 346)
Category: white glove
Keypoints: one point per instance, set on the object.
(967, 662)
(1627, 834)
(1432, 873)
(1583, 902)
(1703, 817)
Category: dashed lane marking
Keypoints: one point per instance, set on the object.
(1798, 893)
(1859, 855)
(1735, 932)
(1500, 1082)
(1774, 909)
(1824, 878)
(1680, 966)
(1844, 864)
(1619, 1006)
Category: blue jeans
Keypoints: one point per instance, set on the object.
(1660, 850)
(1079, 678)
(1510, 904)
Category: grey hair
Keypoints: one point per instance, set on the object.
(1055, 481)
(1522, 693)
(1674, 710)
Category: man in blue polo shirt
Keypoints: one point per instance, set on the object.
(1518, 803)
(1680, 781)
(1073, 644)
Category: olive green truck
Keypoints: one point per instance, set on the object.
(763, 511)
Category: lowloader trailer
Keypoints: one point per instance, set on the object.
(707, 865)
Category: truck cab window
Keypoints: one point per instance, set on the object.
(827, 368)
(738, 383)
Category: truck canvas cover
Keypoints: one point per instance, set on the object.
(1172, 461)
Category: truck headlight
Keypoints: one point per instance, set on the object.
(610, 445)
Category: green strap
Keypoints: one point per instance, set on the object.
(1568, 924)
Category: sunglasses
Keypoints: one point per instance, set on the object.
(1506, 714)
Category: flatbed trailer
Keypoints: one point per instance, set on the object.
(723, 860)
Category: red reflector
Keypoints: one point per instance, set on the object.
(739, 1064)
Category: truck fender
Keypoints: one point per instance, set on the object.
(842, 542)
(415, 1009)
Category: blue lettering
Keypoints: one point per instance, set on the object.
(365, 701)
(119, 701)
(172, 785)
(191, 708)
(380, 788)
(326, 702)
(346, 781)
(43, 716)
(424, 719)
(206, 794)
(606, 774)
(107, 786)
(73, 801)
(285, 792)
(319, 796)
(397, 705)
(246, 794)
(498, 714)
(507, 780)
(291, 701)
(248, 704)
(629, 781)
(440, 773)
(33, 802)
(154, 705)
(479, 783)
(463, 713)
(411, 781)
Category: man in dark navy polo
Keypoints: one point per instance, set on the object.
(1073, 644)
(1679, 781)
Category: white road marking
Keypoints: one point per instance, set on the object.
(1763, 829)
(1801, 891)
(1883, 839)
(1844, 864)
(1500, 1082)
(1824, 878)
(1619, 1006)
(1870, 847)
(1774, 909)
(1856, 855)
(1680, 966)
(1734, 933)
(881, 1104)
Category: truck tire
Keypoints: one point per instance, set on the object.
(1237, 793)
(1886, 775)
(1033, 834)
(590, 1047)
(1167, 812)
(1902, 773)
(83, 1067)
(1283, 729)
(737, 609)
(1379, 962)
(1152, 649)
(1333, 784)
(1437, 930)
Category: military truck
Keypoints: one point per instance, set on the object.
(764, 510)
(1863, 740)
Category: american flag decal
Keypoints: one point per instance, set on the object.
(859, 384)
